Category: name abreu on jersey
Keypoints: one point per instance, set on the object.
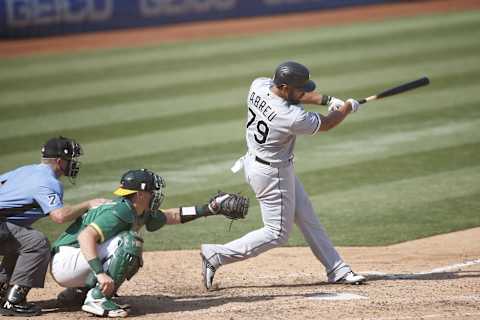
(273, 123)
(262, 106)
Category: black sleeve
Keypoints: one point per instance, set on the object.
(155, 221)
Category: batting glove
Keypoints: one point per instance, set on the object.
(355, 104)
(335, 104)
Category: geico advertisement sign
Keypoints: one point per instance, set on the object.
(152, 8)
(23, 13)
(282, 2)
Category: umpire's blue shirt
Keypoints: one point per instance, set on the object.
(29, 193)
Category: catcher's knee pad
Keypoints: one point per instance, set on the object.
(125, 261)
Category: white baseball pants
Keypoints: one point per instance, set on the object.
(283, 201)
(69, 267)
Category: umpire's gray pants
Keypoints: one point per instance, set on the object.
(26, 254)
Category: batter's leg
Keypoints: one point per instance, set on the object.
(274, 189)
(316, 236)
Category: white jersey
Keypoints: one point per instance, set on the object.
(272, 126)
(273, 123)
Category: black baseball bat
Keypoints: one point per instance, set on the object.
(398, 89)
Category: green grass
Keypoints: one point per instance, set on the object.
(402, 168)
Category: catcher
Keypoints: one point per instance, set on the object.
(103, 248)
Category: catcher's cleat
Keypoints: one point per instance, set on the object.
(72, 297)
(351, 278)
(124, 306)
(96, 303)
(208, 272)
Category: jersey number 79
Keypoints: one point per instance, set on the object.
(262, 128)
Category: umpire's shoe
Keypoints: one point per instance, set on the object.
(208, 272)
(15, 303)
(3, 290)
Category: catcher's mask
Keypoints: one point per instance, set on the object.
(66, 149)
(143, 180)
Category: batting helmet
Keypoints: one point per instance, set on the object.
(133, 181)
(294, 74)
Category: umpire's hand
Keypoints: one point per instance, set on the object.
(106, 284)
(94, 203)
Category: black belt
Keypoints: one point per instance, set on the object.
(12, 211)
(262, 161)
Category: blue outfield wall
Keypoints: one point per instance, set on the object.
(32, 18)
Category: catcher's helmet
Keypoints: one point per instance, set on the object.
(143, 180)
(294, 74)
(66, 149)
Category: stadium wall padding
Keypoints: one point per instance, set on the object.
(35, 18)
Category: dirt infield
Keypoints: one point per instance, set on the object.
(195, 31)
(433, 278)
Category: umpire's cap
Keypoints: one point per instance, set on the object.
(139, 180)
(294, 74)
(61, 147)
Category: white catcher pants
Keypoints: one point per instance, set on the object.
(69, 267)
(283, 201)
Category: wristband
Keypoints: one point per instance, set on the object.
(325, 100)
(96, 265)
(187, 214)
(203, 211)
(191, 213)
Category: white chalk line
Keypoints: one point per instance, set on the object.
(380, 275)
(372, 275)
(424, 316)
(336, 296)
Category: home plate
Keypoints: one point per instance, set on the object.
(336, 296)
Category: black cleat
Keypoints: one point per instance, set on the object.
(19, 310)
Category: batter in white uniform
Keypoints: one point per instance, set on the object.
(275, 117)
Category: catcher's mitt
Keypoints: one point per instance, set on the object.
(231, 205)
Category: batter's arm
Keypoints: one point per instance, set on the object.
(322, 99)
(331, 120)
(313, 98)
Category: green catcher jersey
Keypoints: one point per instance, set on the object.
(109, 220)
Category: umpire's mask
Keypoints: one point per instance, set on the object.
(66, 149)
(143, 180)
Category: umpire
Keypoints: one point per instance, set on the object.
(27, 194)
